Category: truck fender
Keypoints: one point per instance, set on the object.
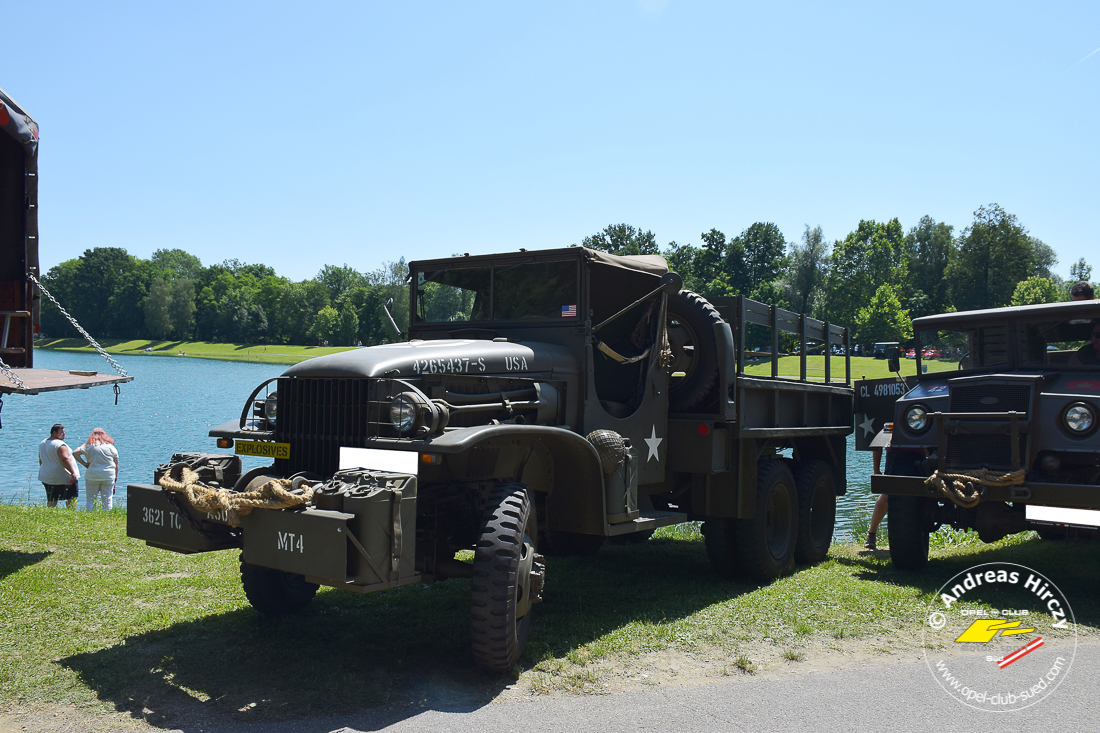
(555, 461)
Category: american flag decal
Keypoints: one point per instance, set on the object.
(569, 311)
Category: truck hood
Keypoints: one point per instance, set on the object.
(443, 356)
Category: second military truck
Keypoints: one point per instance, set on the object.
(543, 402)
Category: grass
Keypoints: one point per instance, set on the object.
(257, 353)
(98, 620)
(862, 366)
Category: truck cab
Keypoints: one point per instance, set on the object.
(998, 433)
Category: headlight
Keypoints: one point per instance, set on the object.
(271, 407)
(403, 413)
(917, 418)
(1079, 418)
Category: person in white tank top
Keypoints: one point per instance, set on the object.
(100, 457)
(56, 468)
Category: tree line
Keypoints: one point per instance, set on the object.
(875, 280)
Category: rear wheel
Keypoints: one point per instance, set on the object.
(507, 581)
(816, 511)
(908, 527)
(766, 542)
(274, 592)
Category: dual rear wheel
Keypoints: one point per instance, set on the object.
(795, 514)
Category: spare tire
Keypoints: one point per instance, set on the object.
(691, 320)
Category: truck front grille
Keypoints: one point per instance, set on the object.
(316, 417)
(991, 398)
(987, 451)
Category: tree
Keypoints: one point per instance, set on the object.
(175, 263)
(868, 258)
(994, 253)
(158, 319)
(1043, 258)
(181, 307)
(929, 249)
(325, 325)
(808, 271)
(681, 260)
(339, 280)
(623, 239)
(884, 318)
(1080, 271)
(347, 328)
(713, 263)
(757, 255)
(1036, 290)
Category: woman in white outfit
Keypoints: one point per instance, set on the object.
(100, 457)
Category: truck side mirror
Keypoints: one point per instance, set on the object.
(892, 361)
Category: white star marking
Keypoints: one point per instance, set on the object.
(868, 425)
(653, 441)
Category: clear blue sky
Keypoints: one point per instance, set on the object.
(304, 134)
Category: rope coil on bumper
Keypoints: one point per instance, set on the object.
(274, 494)
(962, 489)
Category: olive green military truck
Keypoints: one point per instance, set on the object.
(542, 403)
(998, 430)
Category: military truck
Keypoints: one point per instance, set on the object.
(543, 402)
(997, 432)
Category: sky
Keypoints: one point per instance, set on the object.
(305, 134)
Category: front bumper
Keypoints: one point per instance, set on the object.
(1085, 496)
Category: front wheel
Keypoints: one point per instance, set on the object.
(274, 592)
(908, 529)
(507, 582)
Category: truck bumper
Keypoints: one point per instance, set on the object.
(366, 545)
(1085, 496)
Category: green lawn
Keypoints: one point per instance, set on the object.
(269, 354)
(104, 622)
(862, 366)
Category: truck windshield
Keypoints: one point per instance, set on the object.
(971, 348)
(527, 291)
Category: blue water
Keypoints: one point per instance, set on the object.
(169, 408)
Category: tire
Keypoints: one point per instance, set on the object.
(720, 538)
(507, 580)
(573, 544)
(766, 542)
(691, 319)
(908, 531)
(816, 511)
(274, 592)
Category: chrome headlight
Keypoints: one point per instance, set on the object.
(271, 407)
(916, 419)
(1079, 418)
(403, 412)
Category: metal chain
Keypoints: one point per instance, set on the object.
(12, 377)
(118, 368)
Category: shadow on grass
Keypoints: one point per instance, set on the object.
(407, 647)
(12, 561)
(1070, 565)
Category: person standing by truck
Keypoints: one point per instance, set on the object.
(100, 457)
(56, 468)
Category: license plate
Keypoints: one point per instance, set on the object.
(262, 449)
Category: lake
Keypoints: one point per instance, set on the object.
(169, 408)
